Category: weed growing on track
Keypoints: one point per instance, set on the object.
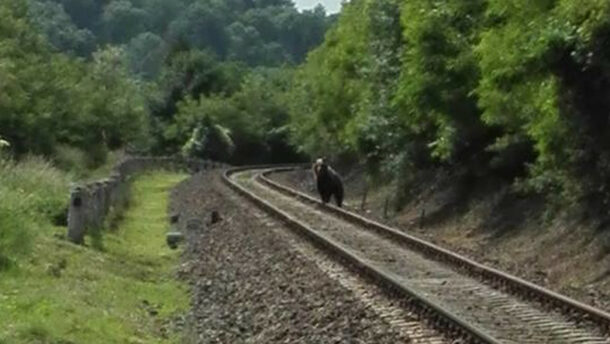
(126, 293)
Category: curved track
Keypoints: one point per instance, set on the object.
(464, 298)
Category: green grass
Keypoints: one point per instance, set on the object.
(32, 192)
(127, 293)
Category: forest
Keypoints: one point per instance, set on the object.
(152, 75)
(515, 89)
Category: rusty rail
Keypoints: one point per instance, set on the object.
(440, 317)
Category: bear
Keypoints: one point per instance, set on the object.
(328, 182)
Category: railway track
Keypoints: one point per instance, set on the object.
(459, 297)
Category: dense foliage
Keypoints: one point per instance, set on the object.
(327, 89)
(516, 87)
(250, 125)
(487, 87)
(150, 75)
(268, 32)
(48, 99)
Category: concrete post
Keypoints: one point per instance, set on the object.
(76, 217)
(90, 204)
(107, 184)
(120, 193)
(99, 205)
(87, 208)
(114, 193)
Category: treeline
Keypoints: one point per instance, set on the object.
(79, 78)
(256, 32)
(517, 89)
(50, 102)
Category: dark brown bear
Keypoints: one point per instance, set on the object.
(328, 182)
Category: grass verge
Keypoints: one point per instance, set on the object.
(63, 293)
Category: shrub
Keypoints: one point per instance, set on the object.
(32, 192)
(544, 77)
(71, 159)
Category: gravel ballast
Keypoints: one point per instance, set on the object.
(249, 286)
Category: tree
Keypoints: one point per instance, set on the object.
(439, 72)
(122, 21)
(48, 98)
(61, 32)
(544, 79)
(203, 26)
(329, 86)
(84, 13)
(146, 54)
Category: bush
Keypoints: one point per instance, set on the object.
(544, 77)
(51, 99)
(327, 91)
(32, 192)
(439, 72)
(72, 159)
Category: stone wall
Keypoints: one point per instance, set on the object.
(91, 203)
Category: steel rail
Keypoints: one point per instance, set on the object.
(442, 318)
(497, 278)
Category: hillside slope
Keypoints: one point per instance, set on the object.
(483, 220)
